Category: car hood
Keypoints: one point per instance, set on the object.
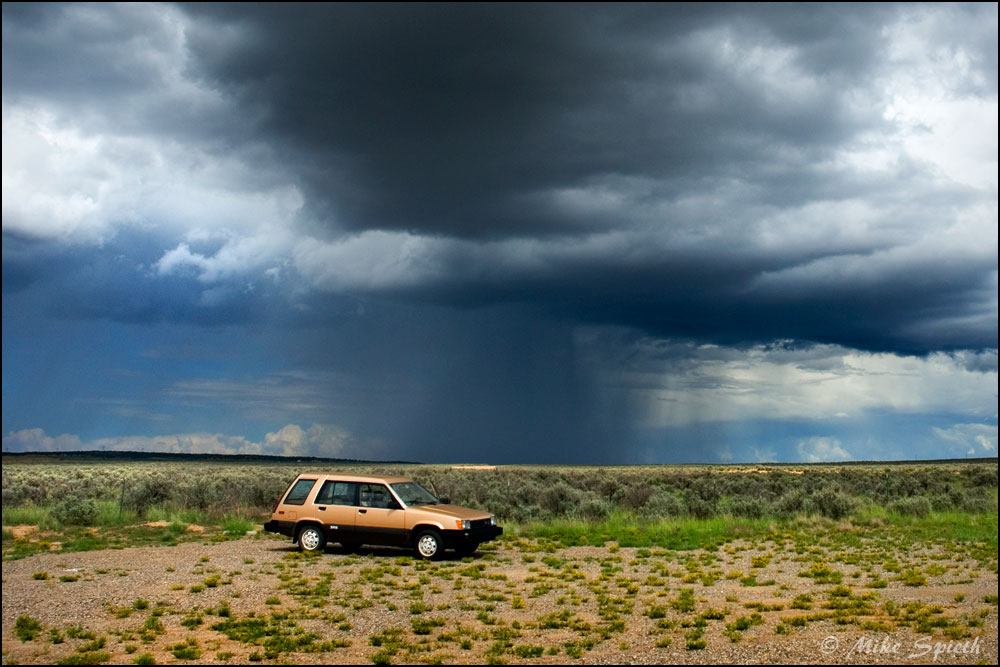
(450, 512)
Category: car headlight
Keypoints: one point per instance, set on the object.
(493, 521)
(463, 525)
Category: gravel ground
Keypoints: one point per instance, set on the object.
(510, 589)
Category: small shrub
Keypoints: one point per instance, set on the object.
(76, 511)
(913, 577)
(979, 504)
(803, 601)
(528, 651)
(26, 628)
(700, 508)
(88, 658)
(684, 601)
(77, 632)
(751, 508)
(656, 612)
(693, 640)
(664, 504)
(423, 626)
(94, 645)
(822, 574)
(187, 651)
(912, 506)
(833, 504)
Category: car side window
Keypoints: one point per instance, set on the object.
(300, 491)
(377, 495)
(337, 493)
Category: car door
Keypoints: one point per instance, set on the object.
(379, 519)
(335, 506)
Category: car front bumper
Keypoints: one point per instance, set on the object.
(458, 539)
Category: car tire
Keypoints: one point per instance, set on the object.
(311, 539)
(428, 544)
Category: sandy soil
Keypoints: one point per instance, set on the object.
(506, 593)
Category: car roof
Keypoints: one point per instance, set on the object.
(344, 477)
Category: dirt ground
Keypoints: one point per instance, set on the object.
(515, 602)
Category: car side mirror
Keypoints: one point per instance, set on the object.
(445, 500)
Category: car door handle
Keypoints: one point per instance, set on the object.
(362, 511)
(321, 509)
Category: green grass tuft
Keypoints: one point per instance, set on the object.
(236, 525)
(629, 530)
(30, 514)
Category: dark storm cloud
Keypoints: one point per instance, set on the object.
(497, 122)
(654, 159)
(451, 119)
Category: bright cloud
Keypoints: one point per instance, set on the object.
(319, 440)
(970, 439)
(681, 384)
(822, 449)
(35, 440)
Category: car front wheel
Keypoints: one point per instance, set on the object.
(311, 538)
(428, 544)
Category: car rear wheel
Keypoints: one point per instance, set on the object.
(428, 544)
(311, 538)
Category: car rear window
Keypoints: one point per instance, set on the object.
(300, 491)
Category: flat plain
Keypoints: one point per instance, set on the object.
(871, 587)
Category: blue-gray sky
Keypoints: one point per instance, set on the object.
(530, 233)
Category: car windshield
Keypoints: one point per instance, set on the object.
(412, 493)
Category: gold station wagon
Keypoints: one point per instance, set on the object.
(352, 510)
